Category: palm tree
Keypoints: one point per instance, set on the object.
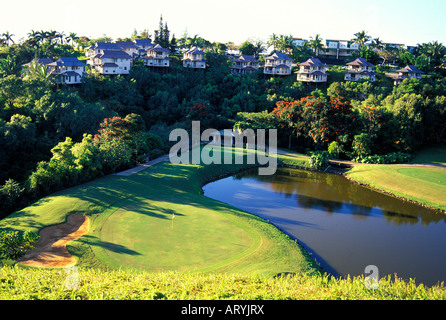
(7, 38)
(72, 38)
(316, 44)
(284, 43)
(37, 71)
(433, 51)
(273, 41)
(8, 66)
(377, 44)
(361, 38)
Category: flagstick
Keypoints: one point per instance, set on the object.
(173, 216)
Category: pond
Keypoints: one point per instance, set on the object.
(344, 226)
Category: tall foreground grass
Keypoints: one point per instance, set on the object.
(95, 284)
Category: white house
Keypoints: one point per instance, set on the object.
(109, 58)
(358, 69)
(339, 48)
(194, 58)
(245, 64)
(408, 72)
(143, 45)
(298, 42)
(157, 58)
(278, 64)
(129, 47)
(68, 70)
(312, 70)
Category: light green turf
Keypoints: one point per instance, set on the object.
(131, 225)
(425, 185)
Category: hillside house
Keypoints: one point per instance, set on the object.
(245, 64)
(40, 61)
(109, 59)
(194, 58)
(339, 49)
(407, 72)
(143, 45)
(358, 69)
(129, 47)
(157, 58)
(312, 70)
(68, 70)
(278, 64)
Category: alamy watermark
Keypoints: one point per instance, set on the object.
(372, 280)
(186, 150)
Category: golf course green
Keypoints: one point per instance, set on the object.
(158, 220)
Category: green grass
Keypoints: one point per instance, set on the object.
(425, 185)
(131, 229)
(132, 226)
(95, 284)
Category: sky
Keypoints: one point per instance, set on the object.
(394, 21)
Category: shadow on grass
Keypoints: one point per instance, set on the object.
(113, 247)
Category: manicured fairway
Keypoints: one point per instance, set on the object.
(158, 220)
(426, 185)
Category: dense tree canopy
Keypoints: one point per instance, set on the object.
(52, 137)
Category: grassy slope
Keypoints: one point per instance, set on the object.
(426, 185)
(132, 225)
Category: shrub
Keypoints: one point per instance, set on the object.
(334, 150)
(394, 157)
(319, 160)
(13, 244)
(10, 194)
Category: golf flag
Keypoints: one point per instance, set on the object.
(173, 215)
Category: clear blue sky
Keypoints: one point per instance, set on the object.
(400, 21)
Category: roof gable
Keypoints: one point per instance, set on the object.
(360, 62)
(313, 62)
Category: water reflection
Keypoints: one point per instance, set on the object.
(345, 225)
(330, 192)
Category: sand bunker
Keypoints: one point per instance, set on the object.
(51, 251)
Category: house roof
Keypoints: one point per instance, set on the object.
(119, 54)
(313, 62)
(41, 61)
(126, 44)
(410, 69)
(106, 46)
(69, 74)
(109, 65)
(246, 58)
(279, 56)
(143, 42)
(282, 66)
(158, 48)
(194, 50)
(360, 62)
(67, 61)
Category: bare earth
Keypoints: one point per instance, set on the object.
(51, 251)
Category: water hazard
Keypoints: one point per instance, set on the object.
(345, 226)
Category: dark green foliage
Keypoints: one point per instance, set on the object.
(319, 160)
(13, 244)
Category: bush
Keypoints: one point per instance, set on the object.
(319, 160)
(334, 150)
(10, 194)
(13, 244)
(394, 157)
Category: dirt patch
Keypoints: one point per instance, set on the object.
(51, 251)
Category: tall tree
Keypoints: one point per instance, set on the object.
(316, 44)
(7, 38)
(361, 38)
(273, 41)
